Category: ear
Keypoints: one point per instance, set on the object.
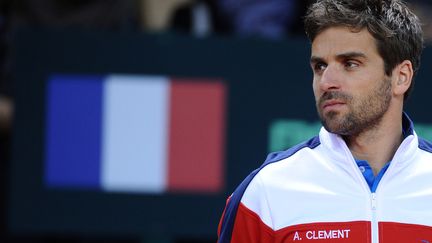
(402, 74)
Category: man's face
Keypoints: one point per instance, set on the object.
(351, 90)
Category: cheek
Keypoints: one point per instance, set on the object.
(316, 90)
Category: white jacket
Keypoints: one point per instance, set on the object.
(315, 192)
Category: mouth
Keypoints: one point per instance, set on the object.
(332, 104)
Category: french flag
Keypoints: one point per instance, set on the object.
(126, 133)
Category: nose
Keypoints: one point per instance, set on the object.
(330, 78)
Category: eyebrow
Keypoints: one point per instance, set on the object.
(351, 55)
(315, 59)
(347, 55)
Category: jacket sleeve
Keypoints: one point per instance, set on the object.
(248, 228)
(240, 223)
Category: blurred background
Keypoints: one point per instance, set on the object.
(132, 121)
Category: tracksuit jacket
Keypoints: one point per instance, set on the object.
(315, 192)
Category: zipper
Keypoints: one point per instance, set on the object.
(373, 197)
(374, 218)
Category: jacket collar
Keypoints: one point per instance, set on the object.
(339, 151)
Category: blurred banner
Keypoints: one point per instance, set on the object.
(135, 133)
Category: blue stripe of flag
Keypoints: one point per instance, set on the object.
(73, 131)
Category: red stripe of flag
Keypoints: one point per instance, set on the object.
(196, 136)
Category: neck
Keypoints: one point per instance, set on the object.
(378, 144)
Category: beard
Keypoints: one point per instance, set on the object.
(365, 112)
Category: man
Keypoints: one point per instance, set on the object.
(367, 177)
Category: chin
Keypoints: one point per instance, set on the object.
(335, 125)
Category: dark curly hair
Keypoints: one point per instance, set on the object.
(397, 30)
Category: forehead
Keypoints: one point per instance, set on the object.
(334, 41)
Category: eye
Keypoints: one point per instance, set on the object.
(319, 66)
(350, 64)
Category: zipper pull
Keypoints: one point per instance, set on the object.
(373, 201)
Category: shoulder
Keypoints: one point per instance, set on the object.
(280, 165)
(425, 145)
(270, 164)
(278, 156)
(279, 169)
(254, 199)
(425, 155)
